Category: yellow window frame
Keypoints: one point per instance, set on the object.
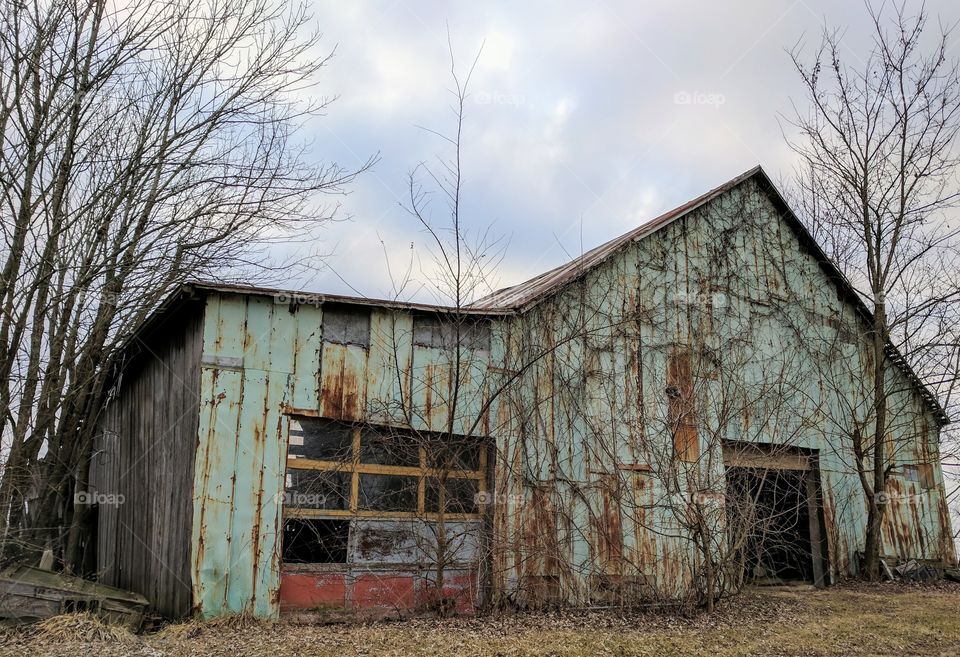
(355, 468)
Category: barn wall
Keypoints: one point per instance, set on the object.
(265, 360)
(719, 327)
(142, 467)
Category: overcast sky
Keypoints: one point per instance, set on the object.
(586, 118)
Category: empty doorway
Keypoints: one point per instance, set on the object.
(774, 514)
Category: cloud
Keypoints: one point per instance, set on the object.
(584, 120)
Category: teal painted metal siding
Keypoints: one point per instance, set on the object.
(265, 358)
(728, 283)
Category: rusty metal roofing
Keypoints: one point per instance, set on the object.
(314, 298)
(520, 296)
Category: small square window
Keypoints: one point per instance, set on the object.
(460, 496)
(320, 440)
(441, 332)
(346, 325)
(388, 448)
(381, 492)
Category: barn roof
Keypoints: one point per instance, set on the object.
(519, 298)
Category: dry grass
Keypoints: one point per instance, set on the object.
(861, 620)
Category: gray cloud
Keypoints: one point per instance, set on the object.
(587, 118)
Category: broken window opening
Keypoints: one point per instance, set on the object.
(320, 440)
(341, 470)
(310, 540)
(317, 489)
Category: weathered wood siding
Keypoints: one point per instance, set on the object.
(144, 459)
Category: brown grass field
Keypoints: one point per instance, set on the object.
(888, 619)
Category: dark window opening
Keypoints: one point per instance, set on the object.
(321, 440)
(385, 492)
(387, 448)
(459, 496)
(769, 514)
(315, 541)
(346, 325)
(453, 453)
(317, 489)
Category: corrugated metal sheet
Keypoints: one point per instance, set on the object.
(523, 296)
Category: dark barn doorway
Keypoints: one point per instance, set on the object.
(774, 513)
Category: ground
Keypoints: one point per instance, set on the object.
(890, 619)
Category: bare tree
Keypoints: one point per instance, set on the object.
(878, 147)
(143, 144)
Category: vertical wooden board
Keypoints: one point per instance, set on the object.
(221, 394)
(306, 357)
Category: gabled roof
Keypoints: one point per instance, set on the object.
(519, 298)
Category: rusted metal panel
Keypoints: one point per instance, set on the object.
(411, 542)
(314, 591)
(376, 593)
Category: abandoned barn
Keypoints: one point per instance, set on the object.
(668, 414)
